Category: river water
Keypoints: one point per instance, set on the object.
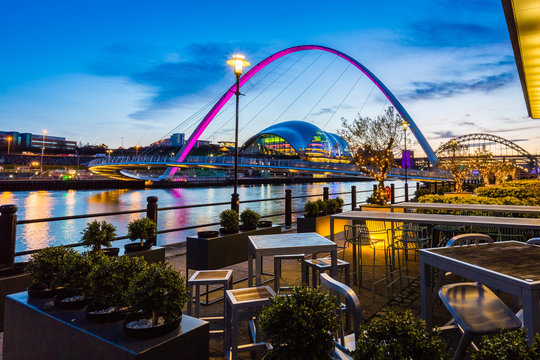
(46, 204)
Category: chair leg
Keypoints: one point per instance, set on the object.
(462, 346)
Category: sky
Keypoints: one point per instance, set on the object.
(132, 72)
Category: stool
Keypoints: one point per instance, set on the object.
(320, 265)
(253, 298)
(277, 268)
(209, 277)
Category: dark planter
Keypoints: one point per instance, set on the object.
(227, 232)
(97, 317)
(37, 293)
(207, 234)
(136, 247)
(150, 332)
(245, 228)
(113, 251)
(264, 224)
(12, 269)
(320, 225)
(69, 305)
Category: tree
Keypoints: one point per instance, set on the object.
(373, 144)
(482, 161)
(453, 158)
(502, 170)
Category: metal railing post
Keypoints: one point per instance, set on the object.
(406, 193)
(353, 197)
(152, 212)
(288, 208)
(392, 194)
(8, 233)
(326, 193)
(435, 184)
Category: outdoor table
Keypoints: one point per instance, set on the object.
(284, 244)
(509, 209)
(509, 266)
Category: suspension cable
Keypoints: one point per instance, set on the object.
(342, 101)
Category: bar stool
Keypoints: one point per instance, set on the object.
(318, 266)
(277, 268)
(253, 299)
(209, 277)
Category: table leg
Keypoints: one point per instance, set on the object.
(250, 269)
(531, 313)
(258, 269)
(425, 293)
(331, 228)
(333, 269)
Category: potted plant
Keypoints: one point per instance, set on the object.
(72, 276)
(300, 325)
(311, 209)
(332, 206)
(143, 230)
(398, 334)
(43, 269)
(323, 207)
(156, 297)
(97, 234)
(508, 344)
(317, 218)
(107, 286)
(228, 219)
(340, 203)
(249, 219)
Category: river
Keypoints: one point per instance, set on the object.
(45, 204)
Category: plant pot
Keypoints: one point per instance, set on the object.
(112, 251)
(225, 232)
(37, 293)
(247, 228)
(339, 211)
(150, 332)
(207, 234)
(264, 223)
(72, 304)
(102, 317)
(136, 247)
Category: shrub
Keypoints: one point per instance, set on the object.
(323, 207)
(143, 229)
(340, 203)
(44, 266)
(301, 325)
(508, 345)
(397, 334)
(158, 291)
(228, 219)
(250, 219)
(332, 206)
(311, 209)
(74, 270)
(97, 234)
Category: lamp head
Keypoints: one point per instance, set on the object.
(405, 125)
(238, 62)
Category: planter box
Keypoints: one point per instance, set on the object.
(10, 285)
(320, 225)
(224, 250)
(35, 329)
(153, 255)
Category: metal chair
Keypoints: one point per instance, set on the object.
(318, 266)
(476, 311)
(345, 345)
(446, 232)
(277, 269)
(497, 233)
(408, 239)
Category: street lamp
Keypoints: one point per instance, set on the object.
(42, 149)
(136, 150)
(405, 126)
(238, 62)
(9, 138)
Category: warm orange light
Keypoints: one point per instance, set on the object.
(405, 125)
(238, 62)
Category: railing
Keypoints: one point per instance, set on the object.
(9, 222)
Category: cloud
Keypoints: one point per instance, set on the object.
(437, 90)
(445, 134)
(467, 123)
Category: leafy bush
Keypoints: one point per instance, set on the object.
(143, 229)
(311, 209)
(158, 291)
(323, 207)
(44, 266)
(340, 203)
(228, 219)
(109, 279)
(520, 189)
(250, 219)
(74, 270)
(331, 206)
(97, 234)
(507, 345)
(300, 326)
(448, 199)
(398, 335)
(421, 192)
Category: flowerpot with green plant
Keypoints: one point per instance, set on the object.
(323, 207)
(98, 234)
(107, 285)
(43, 269)
(300, 325)
(311, 209)
(156, 297)
(228, 219)
(340, 203)
(398, 334)
(249, 219)
(144, 230)
(72, 277)
(332, 206)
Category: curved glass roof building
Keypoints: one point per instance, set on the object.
(297, 139)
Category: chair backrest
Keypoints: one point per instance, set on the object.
(534, 241)
(357, 234)
(352, 301)
(469, 239)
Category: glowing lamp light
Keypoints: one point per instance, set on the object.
(405, 125)
(238, 62)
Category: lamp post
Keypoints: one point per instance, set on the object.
(405, 126)
(136, 150)
(42, 149)
(8, 143)
(237, 62)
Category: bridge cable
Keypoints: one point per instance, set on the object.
(342, 101)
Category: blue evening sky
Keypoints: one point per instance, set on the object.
(99, 71)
